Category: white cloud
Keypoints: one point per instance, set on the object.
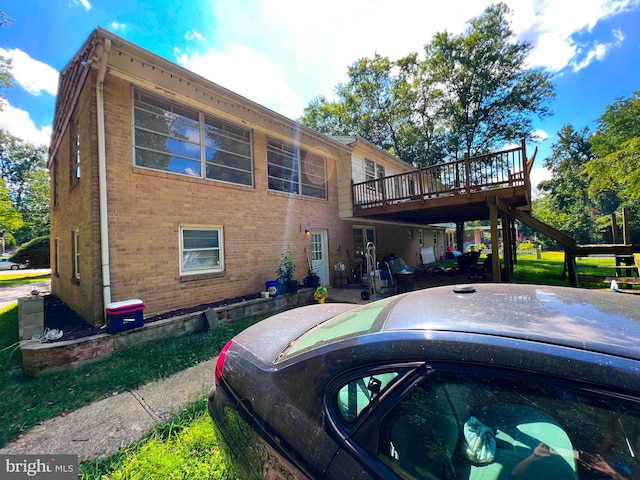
(84, 3)
(554, 29)
(32, 75)
(247, 73)
(597, 52)
(118, 26)
(537, 176)
(539, 135)
(193, 35)
(18, 123)
(310, 48)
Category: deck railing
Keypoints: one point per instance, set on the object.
(507, 168)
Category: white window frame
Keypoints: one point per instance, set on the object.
(305, 179)
(220, 248)
(75, 151)
(374, 171)
(76, 254)
(200, 122)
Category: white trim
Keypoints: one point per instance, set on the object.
(76, 254)
(220, 249)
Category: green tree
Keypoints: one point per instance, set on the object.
(5, 65)
(374, 104)
(23, 169)
(469, 93)
(490, 96)
(36, 253)
(566, 204)
(615, 170)
(10, 218)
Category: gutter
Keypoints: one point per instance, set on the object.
(102, 174)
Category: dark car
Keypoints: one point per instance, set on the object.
(485, 382)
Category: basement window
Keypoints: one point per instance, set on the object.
(201, 250)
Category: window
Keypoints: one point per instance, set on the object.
(54, 174)
(488, 426)
(201, 250)
(362, 236)
(340, 327)
(56, 257)
(74, 160)
(293, 170)
(174, 138)
(76, 254)
(353, 398)
(373, 171)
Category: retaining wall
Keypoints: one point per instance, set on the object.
(42, 358)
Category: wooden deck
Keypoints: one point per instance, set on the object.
(449, 192)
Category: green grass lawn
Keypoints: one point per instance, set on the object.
(11, 279)
(27, 401)
(185, 447)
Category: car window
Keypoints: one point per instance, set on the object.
(357, 394)
(361, 320)
(465, 426)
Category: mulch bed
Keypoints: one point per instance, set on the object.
(59, 316)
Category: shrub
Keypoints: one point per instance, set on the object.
(526, 246)
(36, 253)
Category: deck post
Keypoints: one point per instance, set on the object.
(614, 228)
(506, 247)
(467, 175)
(626, 237)
(493, 215)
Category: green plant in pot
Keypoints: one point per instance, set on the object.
(286, 269)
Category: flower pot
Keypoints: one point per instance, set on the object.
(282, 288)
(292, 286)
(272, 288)
(312, 281)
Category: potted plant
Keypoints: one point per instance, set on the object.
(286, 269)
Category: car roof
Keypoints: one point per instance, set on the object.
(595, 320)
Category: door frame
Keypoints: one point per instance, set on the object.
(322, 232)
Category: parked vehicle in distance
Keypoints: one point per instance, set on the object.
(5, 264)
(487, 381)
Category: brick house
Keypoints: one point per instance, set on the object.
(169, 188)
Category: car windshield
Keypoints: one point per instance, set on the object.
(355, 322)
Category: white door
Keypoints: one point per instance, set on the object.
(319, 257)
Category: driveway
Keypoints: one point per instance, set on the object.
(10, 295)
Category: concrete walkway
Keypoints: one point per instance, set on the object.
(102, 427)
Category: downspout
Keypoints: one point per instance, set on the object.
(102, 176)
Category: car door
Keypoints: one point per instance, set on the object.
(491, 424)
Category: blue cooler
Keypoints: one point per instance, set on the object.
(124, 315)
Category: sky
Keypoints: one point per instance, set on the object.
(284, 53)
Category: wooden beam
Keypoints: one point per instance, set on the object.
(493, 216)
(626, 236)
(562, 238)
(506, 247)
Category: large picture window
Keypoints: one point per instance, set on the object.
(201, 250)
(174, 138)
(297, 171)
